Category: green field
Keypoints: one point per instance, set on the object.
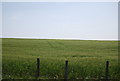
(86, 58)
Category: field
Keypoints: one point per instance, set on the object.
(86, 58)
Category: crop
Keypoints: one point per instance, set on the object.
(86, 58)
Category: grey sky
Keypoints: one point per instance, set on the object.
(80, 20)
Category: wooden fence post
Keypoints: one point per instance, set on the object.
(66, 70)
(107, 70)
(38, 68)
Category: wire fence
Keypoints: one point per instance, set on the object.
(66, 70)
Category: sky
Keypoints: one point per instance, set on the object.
(60, 20)
(0, 20)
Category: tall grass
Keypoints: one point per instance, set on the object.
(86, 58)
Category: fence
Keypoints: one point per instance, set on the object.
(66, 70)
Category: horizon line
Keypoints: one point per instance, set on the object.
(62, 38)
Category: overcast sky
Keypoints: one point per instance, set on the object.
(80, 20)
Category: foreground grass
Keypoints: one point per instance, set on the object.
(86, 58)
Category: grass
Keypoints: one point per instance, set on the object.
(86, 58)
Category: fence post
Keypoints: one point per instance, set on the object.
(107, 70)
(66, 70)
(38, 68)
